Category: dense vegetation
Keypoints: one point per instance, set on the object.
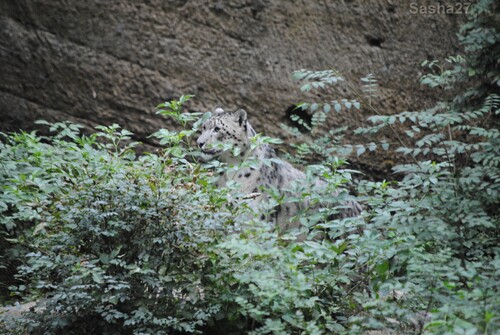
(112, 242)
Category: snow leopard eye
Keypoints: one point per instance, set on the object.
(216, 129)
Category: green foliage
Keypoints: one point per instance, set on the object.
(31, 174)
(443, 275)
(109, 242)
(327, 144)
(106, 242)
(173, 109)
(370, 87)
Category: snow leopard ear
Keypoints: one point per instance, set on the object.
(241, 116)
(218, 110)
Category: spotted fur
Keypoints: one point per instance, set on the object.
(234, 128)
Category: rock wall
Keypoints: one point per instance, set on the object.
(112, 61)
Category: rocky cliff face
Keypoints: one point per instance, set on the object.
(102, 62)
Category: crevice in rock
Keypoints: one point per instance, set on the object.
(375, 41)
(302, 114)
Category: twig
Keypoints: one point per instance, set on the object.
(373, 109)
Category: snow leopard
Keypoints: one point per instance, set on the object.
(233, 130)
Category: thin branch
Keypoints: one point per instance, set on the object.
(360, 97)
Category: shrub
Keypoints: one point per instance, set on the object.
(147, 244)
(32, 173)
(121, 247)
(109, 242)
(442, 218)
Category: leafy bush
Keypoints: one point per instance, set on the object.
(119, 245)
(443, 274)
(32, 173)
(141, 245)
(109, 242)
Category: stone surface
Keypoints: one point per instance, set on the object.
(9, 316)
(112, 61)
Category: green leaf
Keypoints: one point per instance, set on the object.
(305, 87)
(337, 106)
(382, 268)
(360, 149)
(327, 108)
(97, 277)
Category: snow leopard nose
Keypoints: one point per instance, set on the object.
(200, 144)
